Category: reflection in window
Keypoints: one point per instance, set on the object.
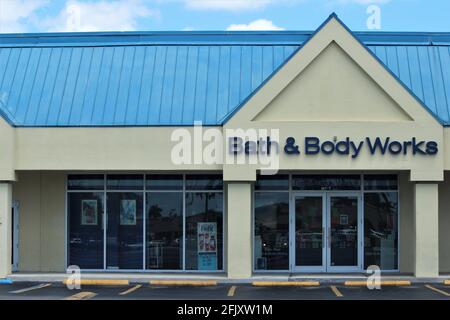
(125, 182)
(380, 230)
(380, 182)
(124, 236)
(85, 211)
(86, 182)
(164, 182)
(271, 231)
(204, 229)
(204, 182)
(326, 182)
(164, 240)
(273, 182)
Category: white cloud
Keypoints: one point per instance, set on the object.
(14, 14)
(260, 24)
(231, 5)
(117, 15)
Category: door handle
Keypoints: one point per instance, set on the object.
(329, 237)
(323, 237)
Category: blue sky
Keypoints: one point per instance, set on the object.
(131, 15)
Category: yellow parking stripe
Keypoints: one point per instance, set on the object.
(39, 286)
(382, 283)
(131, 290)
(85, 295)
(437, 290)
(232, 291)
(336, 291)
(286, 283)
(100, 282)
(183, 283)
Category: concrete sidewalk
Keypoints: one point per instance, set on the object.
(220, 278)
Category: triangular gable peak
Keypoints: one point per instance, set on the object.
(333, 77)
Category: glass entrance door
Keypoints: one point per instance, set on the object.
(309, 232)
(344, 245)
(326, 232)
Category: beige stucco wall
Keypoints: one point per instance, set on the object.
(7, 152)
(147, 148)
(41, 197)
(334, 88)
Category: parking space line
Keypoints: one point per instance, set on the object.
(336, 291)
(232, 291)
(85, 295)
(39, 286)
(131, 290)
(437, 290)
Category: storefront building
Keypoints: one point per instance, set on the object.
(355, 122)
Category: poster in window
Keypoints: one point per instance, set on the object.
(207, 245)
(128, 212)
(343, 219)
(89, 212)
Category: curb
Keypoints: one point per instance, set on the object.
(397, 283)
(99, 282)
(286, 283)
(194, 283)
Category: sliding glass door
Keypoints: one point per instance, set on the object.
(327, 232)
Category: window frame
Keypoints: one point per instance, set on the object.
(144, 190)
(361, 191)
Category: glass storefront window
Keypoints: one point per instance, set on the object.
(164, 182)
(164, 239)
(271, 243)
(204, 182)
(85, 212)
(111, 235)
(204, 230)
(124, 182)
(381, 230)
(326, 182)
(380, 182)
(124, 236)
(86, 182)
(275, 182)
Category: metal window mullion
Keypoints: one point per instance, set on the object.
(184, 222)
(144, 227)
(105, 218)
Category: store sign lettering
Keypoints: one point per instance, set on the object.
(346, 147)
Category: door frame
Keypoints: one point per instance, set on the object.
(360, 226)
(326, 225)
(15, 236)
(292, 238)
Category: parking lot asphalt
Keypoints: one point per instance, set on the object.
(57, 291)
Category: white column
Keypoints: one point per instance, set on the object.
(5, 228)
(239, 230)
(427, 230)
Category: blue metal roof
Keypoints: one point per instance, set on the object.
(176, 78)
